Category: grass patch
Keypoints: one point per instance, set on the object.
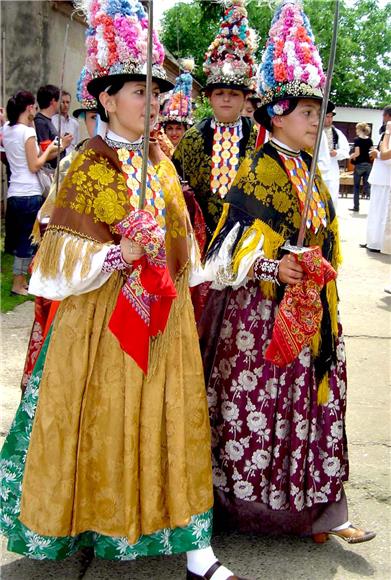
(9, 302)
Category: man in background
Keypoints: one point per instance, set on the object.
(334, 147)
(375, 153)
(48, 97)
(69, 125)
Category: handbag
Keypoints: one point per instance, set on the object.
(45, 178)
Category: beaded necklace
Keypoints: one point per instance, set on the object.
(138, 146)
(299, 177)
(130, 156)
(225, 155)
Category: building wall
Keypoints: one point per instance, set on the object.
(24, 31)
(34, 34)
(75, 53)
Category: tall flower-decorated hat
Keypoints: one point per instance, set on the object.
(291, 66)
(117, 42)
(229, 60)
(86, 101)
(179, 106)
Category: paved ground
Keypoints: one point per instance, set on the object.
(366, 317)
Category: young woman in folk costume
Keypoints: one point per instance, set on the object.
(44, 309)
(112, 437)
(276, 374)
(209, 154)
(176, 118)
(177, 114)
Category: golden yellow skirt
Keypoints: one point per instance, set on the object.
(111, 450)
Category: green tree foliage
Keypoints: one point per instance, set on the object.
(362, 73)
(202, 109)
(186, 32)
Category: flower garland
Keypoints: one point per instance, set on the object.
(279, 108)
(179, 106)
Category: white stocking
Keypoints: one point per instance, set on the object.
(199, 562)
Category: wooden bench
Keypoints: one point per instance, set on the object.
(346, 183)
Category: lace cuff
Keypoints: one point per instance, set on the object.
(266, 270)
(114, 261)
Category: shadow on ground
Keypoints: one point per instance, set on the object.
(255, 557)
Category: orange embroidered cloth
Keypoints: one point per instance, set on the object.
(300, 312)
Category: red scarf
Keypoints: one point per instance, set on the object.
(300, 311)
(145, 300)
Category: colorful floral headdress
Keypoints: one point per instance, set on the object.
(179, 106)
(291, 65)
(86, 101)
(117, 42)
(229, 60)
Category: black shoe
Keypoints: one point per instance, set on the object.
(363, 245)
(208, 575)
(353, 209)
(373, 250)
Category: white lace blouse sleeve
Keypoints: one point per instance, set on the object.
(80, 281)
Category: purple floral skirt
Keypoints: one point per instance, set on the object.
(274, 447)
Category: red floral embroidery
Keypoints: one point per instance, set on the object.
(300, 312)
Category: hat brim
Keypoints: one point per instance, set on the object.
(77, 112)
(234, 86)
(99, 84)
(167, 120)
(261, 115)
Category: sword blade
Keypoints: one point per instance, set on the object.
(330, 69)
(59, 112)
(147, 126)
